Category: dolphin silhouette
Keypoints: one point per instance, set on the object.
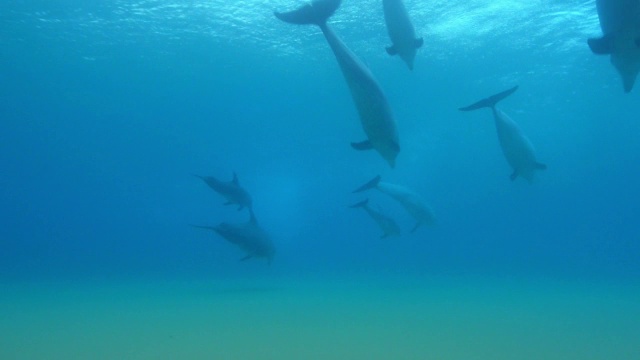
(401, 31)
(386, 223)
(374, 110)
(516, 147)
(620, 24)
(249, 237)
(409, 200)
(230, 190)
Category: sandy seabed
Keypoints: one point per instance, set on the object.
(320, 319)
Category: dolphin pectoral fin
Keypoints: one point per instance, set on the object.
(541, 166)
(246, 257)
(514, 175)
(391, 50)
(415, 227)
(369, 185)
(601, 46)
(363, 145)
(240, 208)
(228, 203)
(418, 43)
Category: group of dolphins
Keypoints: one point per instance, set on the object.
(620, 24)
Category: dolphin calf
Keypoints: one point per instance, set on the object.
(409, 200)
(249, 237)
(374, 111)
(401, 31)
(231, 190)
(387, 224)
(620, 24)
(517, 149)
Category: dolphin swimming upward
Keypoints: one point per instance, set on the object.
(517, 149)
(231, 190)
(374, 111)
(387, 224)
(401, 31)
(409, 200)
(249, 237)
(620, 23)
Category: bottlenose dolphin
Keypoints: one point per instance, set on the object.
(409, 200)
(620, 24)
(401, 31)
(249, 237)
(374, 111)
(517, 149)
(387, 224)
(231, 190)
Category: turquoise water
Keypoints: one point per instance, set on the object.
(108, 108)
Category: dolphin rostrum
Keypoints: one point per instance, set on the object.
(387, 224)
(516, 147)
(409, 200)
(620, 24)
(401, 31)
(374, 110)
(230, 190)
(249, 237)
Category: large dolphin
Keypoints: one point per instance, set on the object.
(517, 149)
(230, 190)
(620, 24)
(249, 237)
(387, 224)
(409, 200)
(373, 108)
(401, 31)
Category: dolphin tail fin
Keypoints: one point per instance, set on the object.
(601, 46)
(316, 13)
(491, 101)
(369, 185)
(362, 203)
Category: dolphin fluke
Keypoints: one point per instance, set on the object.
(315, 13)
(491, 101)
(369, 185)
(362, 203)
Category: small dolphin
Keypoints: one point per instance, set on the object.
(620, 24)
(249, 237)
(374, 111)
(409, 200)
(387, 224)
(401, 31)
(517, 149)
(231, 190)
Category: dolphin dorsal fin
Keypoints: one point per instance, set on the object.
(235, 179)
(418, 42)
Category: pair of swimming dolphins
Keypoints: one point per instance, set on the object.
(249, 236)
(373, 108)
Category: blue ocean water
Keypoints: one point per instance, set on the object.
(108, 108)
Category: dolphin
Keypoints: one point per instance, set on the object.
(620, 24)
(374, 110)
(249, 237)
(401, 31)
(387, 224)
(516, 147)
(409, 200)
(231, 190)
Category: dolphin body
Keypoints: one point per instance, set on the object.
(620, 24)
(374, 110)
(249, 237)
(401, 31)
(409, 200)
(387, 224)
(231, 190)
(516, 147)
